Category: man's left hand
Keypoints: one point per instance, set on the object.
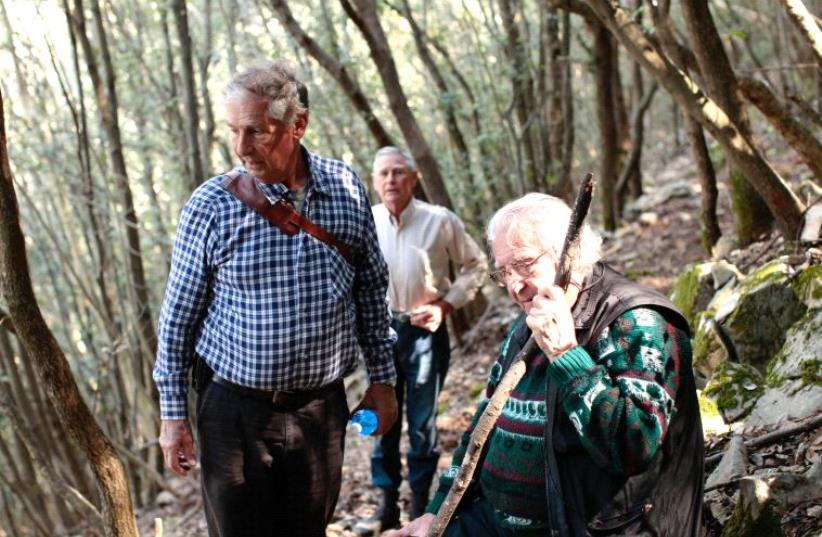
(431, 316)
(381, 399)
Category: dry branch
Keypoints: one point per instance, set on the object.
(783, 203)
(806, 25)
(773, 437)
(485, 424)
(801, 139)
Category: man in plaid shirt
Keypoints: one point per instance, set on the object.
(275, 320)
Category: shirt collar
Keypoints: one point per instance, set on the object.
(405, 216)
(317, 180)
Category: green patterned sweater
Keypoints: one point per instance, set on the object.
(620, 401)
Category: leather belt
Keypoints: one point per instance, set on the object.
(287, 398)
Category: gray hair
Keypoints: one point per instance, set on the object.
(541, 221)
(391, 150)
(276, 82)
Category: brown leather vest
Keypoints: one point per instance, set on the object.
(586, 500)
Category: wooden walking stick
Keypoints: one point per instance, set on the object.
(570, 252)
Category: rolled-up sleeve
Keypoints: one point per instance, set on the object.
(473, 264)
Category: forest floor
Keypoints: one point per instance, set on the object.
(653, 248)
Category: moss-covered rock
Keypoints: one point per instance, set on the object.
(801, 355)
(793, 400)
(709, 349)
(735, 389)
(742, 524)
(692, 290)
(808, 286)
(767, 307)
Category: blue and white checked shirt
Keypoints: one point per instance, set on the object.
(268, 310)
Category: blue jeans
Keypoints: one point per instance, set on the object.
(422, 360)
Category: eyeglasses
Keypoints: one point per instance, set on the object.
(523, 267)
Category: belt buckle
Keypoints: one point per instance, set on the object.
(282, 394)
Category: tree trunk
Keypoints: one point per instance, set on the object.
(171, 109)
(477, 206)
(805, 23)
(337, 70)
(564, 184)
(631, 165)
(802, 140)
(178, 7)
(609, 145)
(522, 91)
(208, 138)
(752, 214)
(364, 14)
(781, 201)
(107, 104)
(499, 190)
(710, 231)
(51, 364)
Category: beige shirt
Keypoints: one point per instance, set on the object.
(418, 247)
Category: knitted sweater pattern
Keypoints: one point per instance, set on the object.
(620, 399)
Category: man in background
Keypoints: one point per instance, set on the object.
(418, 241)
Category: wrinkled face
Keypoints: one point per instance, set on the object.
(265, 146)
(393, 181)
(525, 268)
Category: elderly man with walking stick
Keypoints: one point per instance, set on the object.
(602, 435)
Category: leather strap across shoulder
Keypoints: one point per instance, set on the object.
(281, 214)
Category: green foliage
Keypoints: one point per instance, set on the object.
(811, 372)
(734, 386)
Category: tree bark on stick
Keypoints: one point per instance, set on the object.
(485, 424)
(52, 366)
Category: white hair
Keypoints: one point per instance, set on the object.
(541, 221)
(277, 83)
(391, 150)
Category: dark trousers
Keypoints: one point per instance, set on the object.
(267, 469)
(422, 360)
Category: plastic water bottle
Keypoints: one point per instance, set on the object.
(365, 422)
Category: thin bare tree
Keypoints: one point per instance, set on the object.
(782, 202)
(50, 362)
(364, 15)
